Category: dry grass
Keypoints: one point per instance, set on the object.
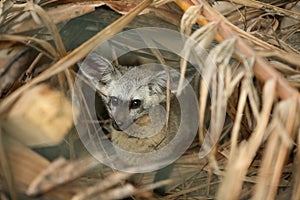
(255, 83)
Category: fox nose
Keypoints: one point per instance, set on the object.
(117, 125)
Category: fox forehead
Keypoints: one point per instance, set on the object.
(128, 91)
(132, 85)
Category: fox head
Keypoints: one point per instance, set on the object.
(131, 94)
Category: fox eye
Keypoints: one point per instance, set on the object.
(114, 101)
(134, 104)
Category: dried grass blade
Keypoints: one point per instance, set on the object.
(285, 69)
(118, 193)
(86, 114)
(239, 163)
(101, 186)
(5, 168)
(296, 189)
(198, 41)
(287, 57)
(202, 107)
(5, 6)
(277, 149)
(58, 14)
(261, 68)
(59, 172)
(214, 75)
(263, 183)
(237, 121)
(42, 14)
(255, 140)
(188, 19)
(233, 81)
(177, 195)
(78, 53)
(268, 8)
(252, 95)
(47, 48)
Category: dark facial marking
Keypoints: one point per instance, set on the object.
(114, 101)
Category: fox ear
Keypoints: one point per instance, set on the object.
(158, 83)
(98, 70)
